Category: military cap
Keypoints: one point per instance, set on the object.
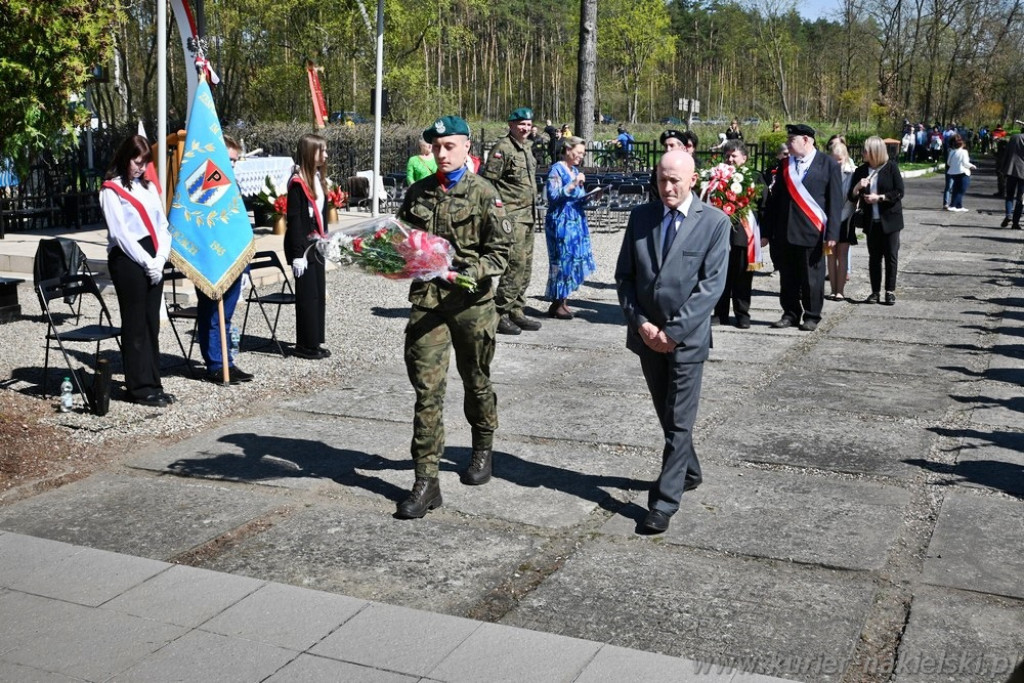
(521, 114)
(671, 133)
(800, 129)
(445, 126)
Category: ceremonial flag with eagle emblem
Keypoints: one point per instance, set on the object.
(212, 240)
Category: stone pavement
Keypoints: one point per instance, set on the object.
(861, 516)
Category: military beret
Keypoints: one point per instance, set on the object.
(445, 126)
(671, 133)
(521, 114)
(800, 129)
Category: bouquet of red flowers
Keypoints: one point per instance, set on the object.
(336, 196)
(734, 191)
(386, 247)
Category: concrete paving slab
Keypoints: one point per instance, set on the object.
(976, 545)
(960, 637)
(21, 557)
(952, 263)
(564, 412)
(750, 346)
(951, 285)
(978, 241)
(620, 664)
(991, 460)
(666, 599)
(878, 327)
(286, 616)
(309, 669)
(838, 441)
(397, 639)
(219, 658)
(515, 655)
(887, 357)
(184, 596)
(154, 518)
(88, 577)
(996, 404)
(785, 516)
(16, 672)
(860, 393)
(75, 640)
(444, 564)
(286, 450)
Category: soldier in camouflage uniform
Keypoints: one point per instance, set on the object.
(464, 209)
(512, 170)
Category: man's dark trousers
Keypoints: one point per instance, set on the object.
(675, 390)
(802, 282)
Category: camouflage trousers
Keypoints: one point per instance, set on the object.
(429, 337)
(510, 297)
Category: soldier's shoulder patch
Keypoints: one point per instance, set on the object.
(506, 226)
(496, 155)
(498, 203)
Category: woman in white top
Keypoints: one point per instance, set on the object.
(958, 167)
(138, 243)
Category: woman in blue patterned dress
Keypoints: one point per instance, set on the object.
(570, 258)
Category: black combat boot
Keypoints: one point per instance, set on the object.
(506, 326)
(425, 496)
(479, 471)
(522, 322)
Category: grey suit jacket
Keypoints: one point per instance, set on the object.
(676, 295)
(1013, 162)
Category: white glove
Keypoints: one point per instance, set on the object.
(299, 266)
(246, 281)
(155, 270)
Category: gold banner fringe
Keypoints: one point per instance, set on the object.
(215, 291)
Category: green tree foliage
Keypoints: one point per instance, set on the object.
(47, 50)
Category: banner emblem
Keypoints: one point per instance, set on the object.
(208, 184)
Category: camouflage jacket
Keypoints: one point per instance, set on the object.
(471, 216)
(512, 170)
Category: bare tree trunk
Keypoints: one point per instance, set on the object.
(587, 69)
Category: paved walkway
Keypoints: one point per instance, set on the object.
(861, 516)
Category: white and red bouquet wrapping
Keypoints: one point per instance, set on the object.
(734, 191)
(386, 247)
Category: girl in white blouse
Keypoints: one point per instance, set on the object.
(138, 244)
(958, 168)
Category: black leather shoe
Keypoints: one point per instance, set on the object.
(655, 522)
(872, 298)
(239, 375)
(691, 484)
(783, 322)
(524, 323)
(506, 326)
(716, 321)
(809, 326)
(153, 401)
(479, 471)
(309, 354)
(1006, 222)
(743, 323)
(323, 352)
(170, 398)
(890, 298)
(424, 497)
(217, 377)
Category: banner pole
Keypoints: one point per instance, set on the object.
(225, 361)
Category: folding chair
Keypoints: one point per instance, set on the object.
(176, 311)
(283, 297)
(57, 258)
(75, 285)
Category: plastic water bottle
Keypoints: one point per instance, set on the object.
(67, 397)
(236, 340)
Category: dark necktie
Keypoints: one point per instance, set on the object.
(670, 233)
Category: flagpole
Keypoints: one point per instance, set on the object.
(377, 96)
(225, 360)
(161, 91)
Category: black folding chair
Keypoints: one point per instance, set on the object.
(177, 311)
(285, 296)
(56, 258)
(78, 284)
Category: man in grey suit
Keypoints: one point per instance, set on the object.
(1013, 169)
(670, 274)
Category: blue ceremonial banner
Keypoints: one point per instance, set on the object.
(212, 241)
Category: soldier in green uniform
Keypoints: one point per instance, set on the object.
(512, 170)
(464, 209)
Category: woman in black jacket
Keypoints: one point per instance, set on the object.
(307, 221)
(878, 187)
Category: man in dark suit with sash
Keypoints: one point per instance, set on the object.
(670, 274)
(802, 217)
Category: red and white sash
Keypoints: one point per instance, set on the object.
(320, 232)
(137, 205)
(801, 197)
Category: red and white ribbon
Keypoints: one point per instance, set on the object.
(801, 197)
